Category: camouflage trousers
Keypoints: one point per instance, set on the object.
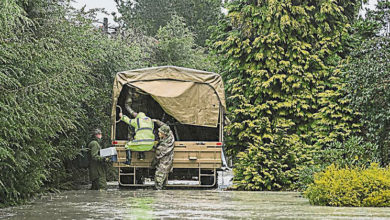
(160, 179)
(163, 160)
(163, 168)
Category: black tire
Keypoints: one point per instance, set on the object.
(208, 180)
(127, 179)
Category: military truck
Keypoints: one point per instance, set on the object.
(192, 103)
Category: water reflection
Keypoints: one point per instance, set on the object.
(182, 204)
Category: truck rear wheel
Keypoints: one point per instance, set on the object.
(209, 178)
(127, 176)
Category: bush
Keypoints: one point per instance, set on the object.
(306, 176)
(354, 152)
(270, 167)
(351, 187)
(369, 93)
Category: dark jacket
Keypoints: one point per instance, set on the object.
(97, 164)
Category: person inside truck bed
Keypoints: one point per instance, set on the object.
(144, 137)
(163, 160)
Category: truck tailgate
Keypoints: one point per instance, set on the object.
(188, 154)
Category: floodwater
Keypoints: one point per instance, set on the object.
(182, 204)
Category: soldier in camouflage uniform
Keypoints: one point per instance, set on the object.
(163, 160)
(97, 165)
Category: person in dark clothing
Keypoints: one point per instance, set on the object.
(97, 166)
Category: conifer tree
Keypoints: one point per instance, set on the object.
(283, 86)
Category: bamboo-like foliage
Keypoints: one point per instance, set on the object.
(56, 76)
(284, 88)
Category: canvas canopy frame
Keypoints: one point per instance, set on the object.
(193, 97)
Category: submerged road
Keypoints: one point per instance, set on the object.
(182, 204)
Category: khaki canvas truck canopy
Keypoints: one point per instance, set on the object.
(191, 96)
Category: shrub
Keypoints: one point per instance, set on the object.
(306, 176)
(351, 187)
(272, 167)
(369, 93)
(354, 152)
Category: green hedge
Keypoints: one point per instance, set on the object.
(56, 74)
(351, 187)
(354, 152)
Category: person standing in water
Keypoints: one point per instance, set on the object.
(97, 166)
(163, 161)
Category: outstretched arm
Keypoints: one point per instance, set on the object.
(126, 119)
(158, 122)
(128, 108)
(131, 111)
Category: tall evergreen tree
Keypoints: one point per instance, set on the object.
(285, 93)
